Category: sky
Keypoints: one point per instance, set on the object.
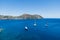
(45, 8)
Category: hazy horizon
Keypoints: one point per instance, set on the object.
(45, 8)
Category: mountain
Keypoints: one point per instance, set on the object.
(28, 16)
(24, 16)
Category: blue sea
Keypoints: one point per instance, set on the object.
(15, 29)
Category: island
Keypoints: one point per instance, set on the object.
(23, 16)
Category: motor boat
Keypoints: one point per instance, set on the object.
(26, 28)
(35, 24)
(46, 24)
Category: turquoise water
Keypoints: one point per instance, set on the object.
(15, 29)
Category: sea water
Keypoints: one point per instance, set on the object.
(15, 29)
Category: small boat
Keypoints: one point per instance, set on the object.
(26, 28)
(35, 24)
(1, 29)
(46, 24)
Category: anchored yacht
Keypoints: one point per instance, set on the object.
(26, 28)
(35, 24)
(46, 24)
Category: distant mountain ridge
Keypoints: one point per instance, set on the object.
(24, 16)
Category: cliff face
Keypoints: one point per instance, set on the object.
(24, 16)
